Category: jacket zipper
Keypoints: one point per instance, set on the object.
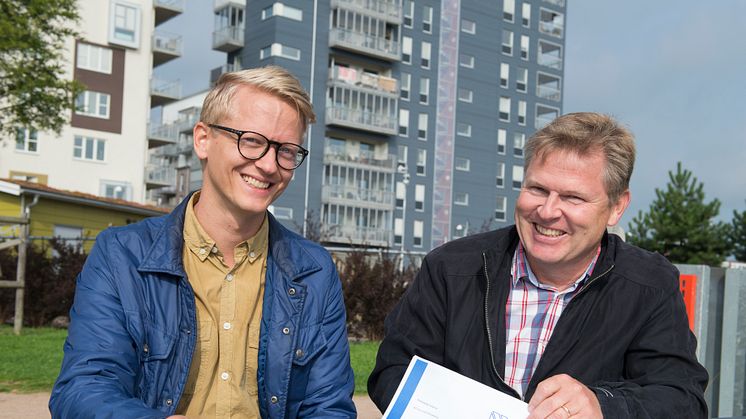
(489, 334)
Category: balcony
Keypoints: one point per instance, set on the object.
(358, 197)
(166, 9)
(549, 55)
(165, 134)
(551, 23)
(389, 10)
(353, 77)
(221, 4)
(216, 72)
(544, 115)
(228, 39)
(377, 122)
(341, 159)
(166, 47)
(163, 92)
(352, 234)
(560, 3)
(548, 87)
(362, 43)
(158, 176)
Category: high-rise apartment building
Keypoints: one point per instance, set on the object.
(423, 108)
(103, 150)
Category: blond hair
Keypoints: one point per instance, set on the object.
(585, 133)
(274, 80)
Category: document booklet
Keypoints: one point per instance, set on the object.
(429, 391)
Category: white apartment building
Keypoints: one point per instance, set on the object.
(104, 149)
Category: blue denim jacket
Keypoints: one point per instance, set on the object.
(133, 328)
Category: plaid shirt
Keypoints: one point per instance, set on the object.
(531, 312)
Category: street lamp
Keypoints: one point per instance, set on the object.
(401, 168)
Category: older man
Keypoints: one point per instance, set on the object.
(215, 310)
(554, 310)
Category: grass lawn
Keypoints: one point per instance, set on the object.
(30, 362)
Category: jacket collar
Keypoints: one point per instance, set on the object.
(166, 253)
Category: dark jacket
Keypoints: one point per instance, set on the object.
(625, 334)
(133, 328)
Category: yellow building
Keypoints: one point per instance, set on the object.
(73, 216)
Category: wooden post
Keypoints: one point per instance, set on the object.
(21, 279)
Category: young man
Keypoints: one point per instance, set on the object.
(215, 310)
(554, 310)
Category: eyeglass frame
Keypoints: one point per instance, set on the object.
(240, 133)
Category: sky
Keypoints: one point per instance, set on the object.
(674, 72)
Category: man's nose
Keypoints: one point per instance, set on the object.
(268, 162)
(550, 208)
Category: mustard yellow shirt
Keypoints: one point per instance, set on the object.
(222, 377)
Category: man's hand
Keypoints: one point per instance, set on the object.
(561, 397)
(177, 417)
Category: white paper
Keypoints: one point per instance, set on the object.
(430, 391)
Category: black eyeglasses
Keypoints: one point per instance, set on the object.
(253, 146)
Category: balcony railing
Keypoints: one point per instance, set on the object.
(166, 47)
(548, 92)
(560, 3)
(390, 10)
(365, 43)
(553, 28)
(157, 176)
(359, 196)
(166, 9)
(164, 91)
(228, 39)
(219, 4)
(361, 119)
(551, 61)
(163, 134)
(543, 120)
(351, 234)
(332, 157)
(354, 77)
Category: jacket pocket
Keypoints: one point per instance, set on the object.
(157, 356)
(311, 341)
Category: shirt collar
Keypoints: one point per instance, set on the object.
(521, 270)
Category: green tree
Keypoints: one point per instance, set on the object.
(738, 235)
(680, 224)
(34, 91)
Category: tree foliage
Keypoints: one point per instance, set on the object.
(34, 91)
(738, 235)
(680, 224)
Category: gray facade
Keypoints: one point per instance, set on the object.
(423, 107)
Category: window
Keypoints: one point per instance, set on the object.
(549, 55)
(466, 60)
(468, 26)
(425, 54)
(417, 228)
(463, 164)
(406, 85)
(116, 190)
(406, 50)
(461, 198)
(507, 46)
(93, 104)
(408, 13)
(281, 213)
(502, 137)
(404, 122)
(398, 230)
(70, 235)
(421, 161)
(427, 19)
(422, 126)
(88, 148)
(526, 14)
(504, 108)
(521, 112)
(27, 140)
(504, 74)
(424, 90)
(524, 47)
(508, 10)
(419, 197)
(463, 129)
(502, 203)
(401, 194)
(279, 50)
(500, 181)
(521, 79)
(551, 22)
(465, 95)
(124, 24)
(517, 177)
(519, 142)
(401, 154)
(282, 10)
(94, 58)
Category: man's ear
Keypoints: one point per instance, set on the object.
(619, 207)
(201, 135)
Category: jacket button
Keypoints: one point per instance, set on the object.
(273, 399)
(146, 348)
(169, 402)
(299, 353)
(285, 330)
(291, 291)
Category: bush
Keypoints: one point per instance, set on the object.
(51, 269)
(372, 285)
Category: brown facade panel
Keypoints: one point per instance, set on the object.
(112, 84)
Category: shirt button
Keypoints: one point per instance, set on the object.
(291, 291)
(252, 254)
(227, 325)
(214, 250)
(285, 330)
(202, 251)
(273, 399)
(225, 376)
(229, 277)
(299, 353)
